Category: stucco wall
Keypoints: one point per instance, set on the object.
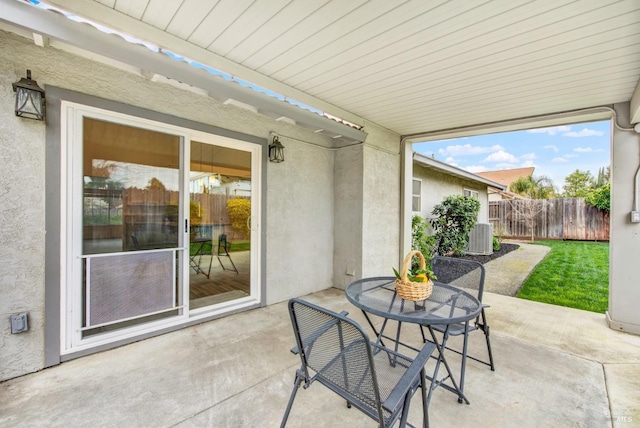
(381, 202)
(300, 222)
(299, 200)
(436, 186)
(21, 231)
(347, 256)
(624, 291)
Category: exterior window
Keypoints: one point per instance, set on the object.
(416, 192)
(473, 193)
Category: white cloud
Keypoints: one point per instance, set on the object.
(552, 147)
(501, 156)
(476, 168)
(528, 156)
(468, 150)
(559, 160)
(584, 133)
(527, 163)
(450, 160)
(503, 166)
(586, 150)
(551, 131)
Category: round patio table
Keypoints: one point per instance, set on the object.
(445, 306)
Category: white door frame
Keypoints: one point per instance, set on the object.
(71, 340)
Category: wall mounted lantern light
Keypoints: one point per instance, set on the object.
(276, 150)
(29, 98)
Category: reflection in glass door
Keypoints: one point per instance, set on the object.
(130, 217)
(158, 227)
(220, 235)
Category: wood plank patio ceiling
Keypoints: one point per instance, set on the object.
(411, 66)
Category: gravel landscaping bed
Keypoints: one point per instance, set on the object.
(452, 275)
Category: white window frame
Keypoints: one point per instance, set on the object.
(418, 195)
(475, 194)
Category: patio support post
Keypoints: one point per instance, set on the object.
(624, 293)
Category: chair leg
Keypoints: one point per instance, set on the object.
(485, 328)
(463, 365)
(296, 385)
(405, 411)
(425, 405)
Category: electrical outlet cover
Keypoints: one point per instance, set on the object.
(19, 323)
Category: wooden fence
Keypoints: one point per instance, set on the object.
(567, 218)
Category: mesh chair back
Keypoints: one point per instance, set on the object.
(338, 351)
(461, 273)
(378, 381)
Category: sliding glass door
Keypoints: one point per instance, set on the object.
(220, 190)
(159, 226)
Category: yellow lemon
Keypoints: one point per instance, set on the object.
(421, 277)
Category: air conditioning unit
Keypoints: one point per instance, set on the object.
(481, 239)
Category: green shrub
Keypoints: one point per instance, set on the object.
(455, 217)
(600, 198)
(499, 232)
(496, 244)
(239, 211)
(421, 240)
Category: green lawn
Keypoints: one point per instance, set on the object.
(574, 274)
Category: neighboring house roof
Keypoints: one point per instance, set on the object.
(505, 194)
(507, 176)
(445, 168)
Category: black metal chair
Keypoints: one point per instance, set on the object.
(469, 276)
(223, 251)
(376, 380)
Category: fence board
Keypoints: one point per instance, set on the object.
(567, 218)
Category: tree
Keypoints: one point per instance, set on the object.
(600, 198)
(534, 187)
(106, 190)
(578, 184)
(455, 217)
(155, 184)
(526, 211)
(603, 177)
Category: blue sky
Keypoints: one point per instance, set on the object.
(555, 152)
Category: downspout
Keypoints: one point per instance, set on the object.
(636, 183)
(404, 225)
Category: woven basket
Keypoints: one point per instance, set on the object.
(409, 290)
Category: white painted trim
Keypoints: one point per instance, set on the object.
(72, 115)
(634, 107)
(622, 326)
(472, 192)
(111, 18)
(58, 27)
(413, 195)
(445, 168)
(560, 118)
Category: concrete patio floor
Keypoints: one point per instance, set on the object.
(555, 367)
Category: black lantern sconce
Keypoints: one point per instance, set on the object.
(276, 150)
(29, 98)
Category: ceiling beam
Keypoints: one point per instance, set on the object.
(99, 13)
(40, 40)
(85, 37)
(634, 113)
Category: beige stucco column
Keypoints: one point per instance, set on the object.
(624, 269)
